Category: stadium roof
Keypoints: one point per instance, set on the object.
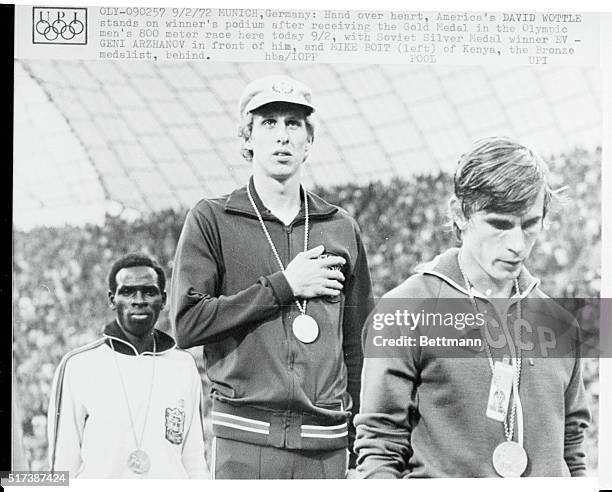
(96, 137)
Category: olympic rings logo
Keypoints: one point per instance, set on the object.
(61, 27)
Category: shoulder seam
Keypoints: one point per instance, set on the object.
(208, 201)
(84, 348)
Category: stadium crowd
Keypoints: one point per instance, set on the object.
(60, 273)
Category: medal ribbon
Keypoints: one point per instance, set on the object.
(516, 362)
(301, 307)
(127, 401)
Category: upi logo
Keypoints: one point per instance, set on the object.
(59, 25)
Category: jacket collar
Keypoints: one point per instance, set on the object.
(446, 267)
(115, 339)
(238, 202)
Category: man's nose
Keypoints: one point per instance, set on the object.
(139, 298)
(516, 240)
(282, 136)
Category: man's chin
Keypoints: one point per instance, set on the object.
(505, 277)
(140, 328)
(509, 271)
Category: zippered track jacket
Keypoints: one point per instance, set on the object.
(89, 427)
(424, 415)
(229, 296)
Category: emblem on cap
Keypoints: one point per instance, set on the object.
(283, 87)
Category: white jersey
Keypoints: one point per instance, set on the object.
(90, 430)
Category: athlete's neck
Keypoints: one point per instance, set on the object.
(481, 280)
(282, 198)
(139, 343)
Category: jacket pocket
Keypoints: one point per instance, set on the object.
(334, 405)
(223, 391)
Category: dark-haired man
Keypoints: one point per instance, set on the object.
(430, 413)
(273, 282)
(129, 404)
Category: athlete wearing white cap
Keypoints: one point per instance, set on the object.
(273, 282)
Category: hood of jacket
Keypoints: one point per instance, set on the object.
(446, 268)
(116, 339)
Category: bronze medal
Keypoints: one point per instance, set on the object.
(509, 459)
(305, 328)
(139, 462)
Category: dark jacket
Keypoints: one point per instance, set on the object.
(423, 414)
(229, 296)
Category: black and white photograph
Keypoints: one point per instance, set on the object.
(201, 249)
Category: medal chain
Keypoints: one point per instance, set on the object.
(508, 426)
(127, 401)
(301, 307)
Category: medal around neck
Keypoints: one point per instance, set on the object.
(305, 328)
(509, 459)
(139, 462)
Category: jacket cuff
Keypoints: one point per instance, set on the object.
(579, 473)
(282, 289)
(383, 476)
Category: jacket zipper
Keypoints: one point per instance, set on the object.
(290, 355)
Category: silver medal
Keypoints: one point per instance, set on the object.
(305, 328)
(139, 462)
(509, 459)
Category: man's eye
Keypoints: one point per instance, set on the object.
(268, 122)
(501, 224)
(151, 291)
(126, 291)
(294, 123)
(531, 224)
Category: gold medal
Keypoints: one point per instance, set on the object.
(305, 328)
(139, 462)
(509, 459)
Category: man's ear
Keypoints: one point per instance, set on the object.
(309, 143)
(308, 146)
(457, 213)
(111, 301)
(164, 297)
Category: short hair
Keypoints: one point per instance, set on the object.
(500, 175)
(246, 125)
(134, 260)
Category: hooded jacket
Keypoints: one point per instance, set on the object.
(229, 295)
(90, 427)
(424, 414)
